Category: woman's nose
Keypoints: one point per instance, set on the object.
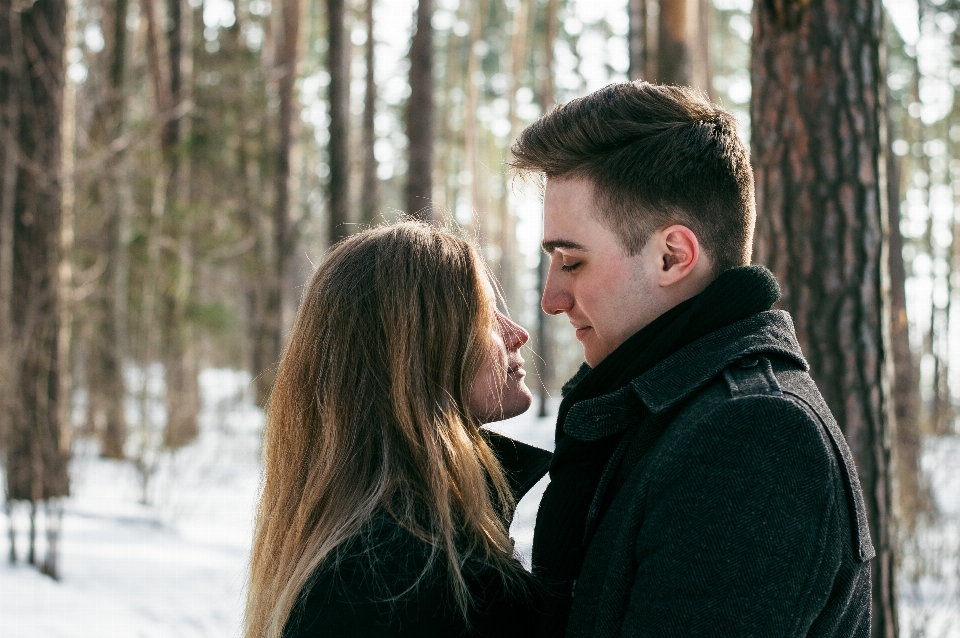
(514, 336)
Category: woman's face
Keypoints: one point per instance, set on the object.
(499, 391)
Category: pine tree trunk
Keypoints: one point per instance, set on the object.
(471, 139)
(370, 188)
(637, 39)
(905, 383)
(702, 73)
(338, 61)
(822, 225)
(277, 256)
(179, 361)
(420, 109)
(547, 95)
(32, 42)
(674, 47)
(110, 383)
(509, 252)
(9, 126)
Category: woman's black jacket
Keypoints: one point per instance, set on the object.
(372, 589)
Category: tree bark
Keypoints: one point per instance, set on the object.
(822, 226)
(905, 383)
(370, 188)
(637, 39)
(674, 46)
(702, 73)
(32, 42)
(278, 255)
(108, 389)
(547, 96)
(338, 62)
(420, 125)
(509, 252)
(9, 162)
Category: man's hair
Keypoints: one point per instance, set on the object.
(655, 155)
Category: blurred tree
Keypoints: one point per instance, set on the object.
(370, 186)
(278, 251)
(179, 355)
(105, 383)
(822, 228)
(338, 65)
(420, 115)
(637, 39)
(169, 224)
(35, 440)
(674, 41)
(544, 338)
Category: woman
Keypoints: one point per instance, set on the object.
(385, 509)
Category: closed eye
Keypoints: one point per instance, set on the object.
(570, 267)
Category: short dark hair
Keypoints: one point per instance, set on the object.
(656, 155)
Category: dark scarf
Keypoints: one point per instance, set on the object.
(577, 466)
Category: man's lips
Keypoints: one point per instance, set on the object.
(582, 332)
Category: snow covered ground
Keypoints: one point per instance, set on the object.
(176, 567)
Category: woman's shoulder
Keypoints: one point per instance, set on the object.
(386, 581)
(375, 584)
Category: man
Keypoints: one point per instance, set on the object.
(700, 485)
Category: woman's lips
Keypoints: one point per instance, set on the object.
(517, 370)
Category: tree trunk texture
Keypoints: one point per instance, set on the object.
(179, 360)
(370, 186)
(637, 39)
(471, 139)
(106, 386)
(338, 62)
(420, 125)
(509, 253)
(9, 130)
(32, 42)
(905, 384)
(822, 224)
(544, 336)
(68, 196)
(278, 255)
(674, 46)
(703, 56)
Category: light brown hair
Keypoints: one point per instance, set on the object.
(369, 414)
(655, 155)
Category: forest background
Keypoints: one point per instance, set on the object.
(172, 170)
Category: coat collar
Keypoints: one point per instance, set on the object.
(683, 373)
(523, 464)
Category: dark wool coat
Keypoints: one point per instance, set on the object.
(373, 590)
(730, 507)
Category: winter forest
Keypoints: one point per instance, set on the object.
(172, 171)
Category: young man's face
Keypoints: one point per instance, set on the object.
(607, 294)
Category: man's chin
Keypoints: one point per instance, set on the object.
(594, 354)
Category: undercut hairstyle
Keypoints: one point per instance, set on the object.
(656, 156)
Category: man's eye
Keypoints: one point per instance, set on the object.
(570, 267)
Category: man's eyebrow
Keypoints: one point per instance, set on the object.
(552, 245)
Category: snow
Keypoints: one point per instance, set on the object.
(177, 566)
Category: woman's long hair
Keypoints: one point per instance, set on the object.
(369, 413)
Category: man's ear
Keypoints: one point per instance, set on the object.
(679, 253)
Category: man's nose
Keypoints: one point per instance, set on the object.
(555, 298)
